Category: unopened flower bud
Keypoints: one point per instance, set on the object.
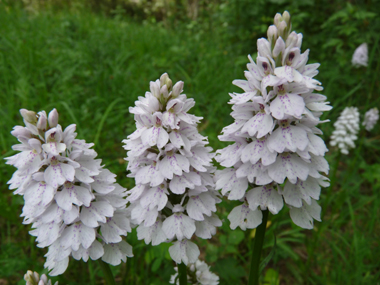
(286, 17)
(165, 80)
(29, 116)
(292, 40)
(31, 277)
(164, 91)
(272, 34)
(154, 89)
(277, 19)
(53, 118)
(42, 122)
(283, 30)
(177, 89)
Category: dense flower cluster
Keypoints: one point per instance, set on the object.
(73, 202)
(346, 130)
(33, 278)
(360, 56)
(370, 118)
(198, 273)
(277, 154)
(174, 196)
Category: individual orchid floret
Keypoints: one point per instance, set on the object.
(33, 278)
(73, 203)
(198, 273)
(174, 197)
(370, 118)
(346, 130)
(360, 56)
(277, 157)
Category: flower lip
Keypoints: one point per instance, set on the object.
(54, 161)
(266, 67)
(281, 90)
(284, 123)
(290, 58)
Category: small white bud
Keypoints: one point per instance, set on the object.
(291, 40)
(177, 89)
(165, 80)
(29, 116)
(53, 118)
(283, 29)
(31, 277)
(272, 33)
(286, 17)
(42, 122)
(164, 91)
(277, 19)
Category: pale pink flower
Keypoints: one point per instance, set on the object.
(360, 56)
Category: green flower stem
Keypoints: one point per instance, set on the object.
(108, 276)
(257, 245)
(182, 273)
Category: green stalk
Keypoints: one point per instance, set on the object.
(257, 246)
(108, 276)
(182, 273)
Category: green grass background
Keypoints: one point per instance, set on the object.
(93, 66)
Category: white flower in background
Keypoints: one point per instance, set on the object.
(33, 278)
(198, 273)
(73, 202)
(360, 57)
(174, 197)
(370, 118)
(346, 130)
(277, 156)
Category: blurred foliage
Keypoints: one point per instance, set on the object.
(91, 59)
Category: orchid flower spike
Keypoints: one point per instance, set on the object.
(346, 130)
(175, 195)
(370, 118)
(73, 203)
(277, 156)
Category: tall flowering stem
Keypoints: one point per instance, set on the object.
(73, 203)
(277, 156)
(182, 273)
(257, 246)
(174, 198)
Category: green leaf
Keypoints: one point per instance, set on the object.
(156, 264)
(266, 260)
(235, 237)
(271, 277)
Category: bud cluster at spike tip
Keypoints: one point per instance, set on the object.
(174, 197)
(277, 156)
(198, 273)
(346, 130)
(33, 278)
(370, 118)
(75, 205)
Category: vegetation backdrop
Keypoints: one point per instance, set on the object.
(92, 59)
